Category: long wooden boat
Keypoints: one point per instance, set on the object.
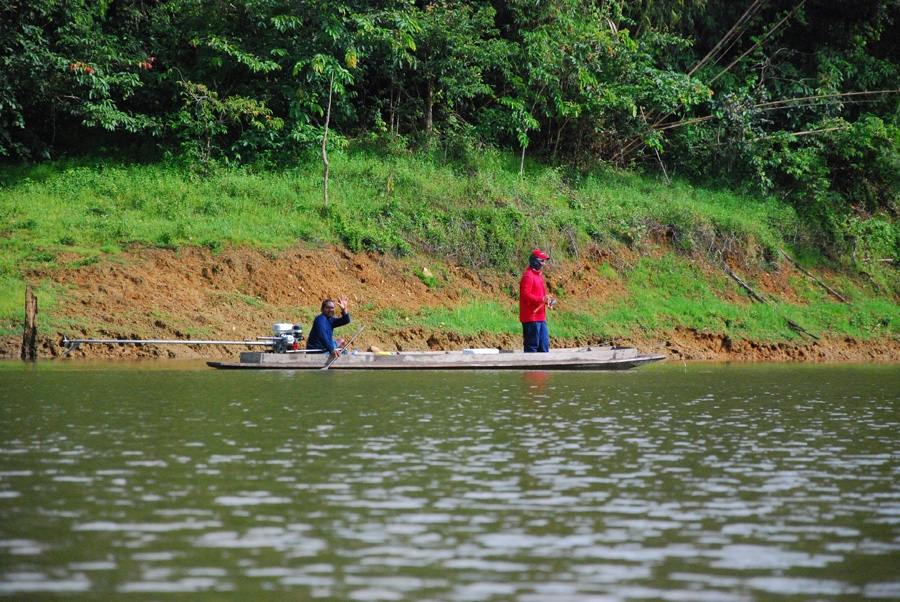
(582, 358)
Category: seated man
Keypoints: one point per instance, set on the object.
(321, 335)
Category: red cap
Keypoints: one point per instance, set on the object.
(540, 255)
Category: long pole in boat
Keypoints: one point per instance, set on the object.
(334, 358)
(73, 344)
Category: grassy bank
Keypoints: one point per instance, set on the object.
(479, 214)
(669, 292)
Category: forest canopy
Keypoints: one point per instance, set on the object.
(798, 97)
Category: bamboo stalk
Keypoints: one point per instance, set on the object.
(795, 134)
(816, 280)
(744, 285)
(756, 296)
(727, 37)
(758, 43)
(805, 132)
(636, 142)
(796, 327)
(683, 122)
(735, 32)
(835, 95)
(777, 105)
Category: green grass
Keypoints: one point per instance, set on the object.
(380, 203)
(473, 318)
(482, 215)
(12, 303)
(665, 293)
(239, 299)
(671, 292)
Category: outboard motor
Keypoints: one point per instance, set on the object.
(286, 337)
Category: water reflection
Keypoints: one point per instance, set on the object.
(711, 483)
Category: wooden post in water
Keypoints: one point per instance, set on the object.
(29, 337)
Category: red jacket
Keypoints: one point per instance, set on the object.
(531, 297)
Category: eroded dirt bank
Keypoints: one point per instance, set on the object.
(239, 293)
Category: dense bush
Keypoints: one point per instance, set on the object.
(794, 98)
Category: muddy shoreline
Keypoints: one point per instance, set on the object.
(194, 293)
(687, 347)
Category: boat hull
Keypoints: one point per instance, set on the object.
(587, 358)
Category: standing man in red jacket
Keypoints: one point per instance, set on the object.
(533, 304)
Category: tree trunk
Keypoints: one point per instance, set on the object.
(52, 124)
(325, 143)
(558, 136)
(522, 163)
(429, 107)
(392, 112)
(29, 337)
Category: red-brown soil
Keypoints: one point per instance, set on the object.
(239, 293)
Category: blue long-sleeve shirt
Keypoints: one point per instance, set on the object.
(321, 335)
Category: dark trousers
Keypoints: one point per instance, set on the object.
(536, 337)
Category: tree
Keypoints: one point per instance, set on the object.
(453, 52)
(62, 70)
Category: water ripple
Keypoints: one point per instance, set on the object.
(702, 483)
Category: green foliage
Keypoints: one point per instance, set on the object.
(456, 45)
(800, 103)
(874, 247)
(607, 271)
(873, 239)
(864, 161)
(66, 68)
(428, 277)
(205, 119)
(249, 60)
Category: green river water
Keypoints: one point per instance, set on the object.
(695, 482)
